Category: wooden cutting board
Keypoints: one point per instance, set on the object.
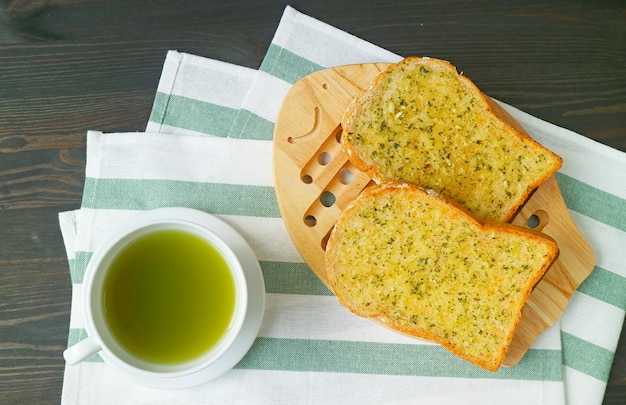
(315, 181)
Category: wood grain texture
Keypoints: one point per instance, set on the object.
(67, 66)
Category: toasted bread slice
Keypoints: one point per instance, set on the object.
(422, 122)
(426, 267)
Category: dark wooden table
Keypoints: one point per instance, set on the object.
(67, 66)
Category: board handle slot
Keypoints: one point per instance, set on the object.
(324, 241)
(325, 162)
(335, 197)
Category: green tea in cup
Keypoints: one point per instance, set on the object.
(168, 297)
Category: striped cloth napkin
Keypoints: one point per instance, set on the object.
(208, 146)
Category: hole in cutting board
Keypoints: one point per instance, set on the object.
(323, 162)
(337, 133)
(345, 176)
(327, 199)
(538, 220)
(310, 221)
(323, 158)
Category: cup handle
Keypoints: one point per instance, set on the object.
(81, 351)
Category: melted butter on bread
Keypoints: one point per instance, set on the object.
(426, 267)
(422, 122)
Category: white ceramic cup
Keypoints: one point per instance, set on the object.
(101, 340)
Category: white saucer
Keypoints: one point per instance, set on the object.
(256, 297)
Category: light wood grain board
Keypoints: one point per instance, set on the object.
(315, 181)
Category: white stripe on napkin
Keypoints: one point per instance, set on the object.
(266, 98)
(609, 248)
(582, 390)
(586, 318)
(233, 85)
(265, 386)
(192, 159)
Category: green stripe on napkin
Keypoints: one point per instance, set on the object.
(286, 65)
(191, 114)
(291, 278)
(139, 194)
(253, 127)
(78, 265)
(592, 202)
(376, 358)
(389, 359)
(595, 286)
(578, 352)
